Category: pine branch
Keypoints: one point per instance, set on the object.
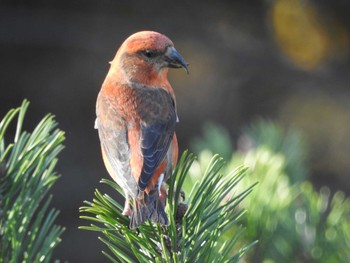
(27, 230)
(196, 226)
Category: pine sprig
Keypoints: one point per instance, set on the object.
(27, 230)
(196, 224)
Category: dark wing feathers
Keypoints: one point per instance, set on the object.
(157, 130)
(155, 141)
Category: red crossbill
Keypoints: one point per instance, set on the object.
(136, 117)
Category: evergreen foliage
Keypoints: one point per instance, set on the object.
(291, 220)
(196, 224)
(27, 229)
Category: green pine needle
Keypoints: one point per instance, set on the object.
(196, 224)
(27, 230)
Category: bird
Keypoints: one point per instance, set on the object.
(136, 114)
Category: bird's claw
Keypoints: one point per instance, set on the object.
(182, 194)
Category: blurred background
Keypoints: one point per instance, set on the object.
(284, 60)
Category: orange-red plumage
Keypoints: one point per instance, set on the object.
(136, 116)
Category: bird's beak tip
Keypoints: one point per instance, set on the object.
(186, 68)
(175, 60)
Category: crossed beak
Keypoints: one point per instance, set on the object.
(174, 59)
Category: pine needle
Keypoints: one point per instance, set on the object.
(27, 230)
(196, 226)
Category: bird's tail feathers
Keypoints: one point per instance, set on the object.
(148, 208)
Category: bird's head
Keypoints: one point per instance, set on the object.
(147, 55)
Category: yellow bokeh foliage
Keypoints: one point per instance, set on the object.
(305, 34)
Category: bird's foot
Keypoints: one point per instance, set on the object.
(127, 208)
(182, 195)
(127, 211)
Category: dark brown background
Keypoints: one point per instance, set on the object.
(248, 59)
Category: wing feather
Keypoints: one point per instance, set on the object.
(157, 130)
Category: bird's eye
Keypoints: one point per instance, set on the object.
(150, 53)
